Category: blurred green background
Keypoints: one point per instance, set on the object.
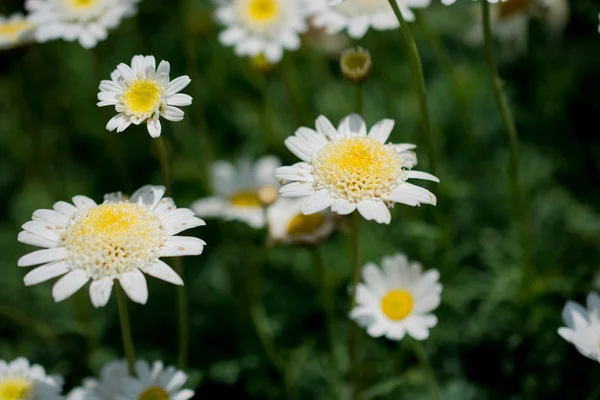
(496, 337)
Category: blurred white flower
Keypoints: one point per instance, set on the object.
(346, 169)
(143, 93)
(242, 191)
(287, 224)
(262, 26)
(87, 21)
(14, 30)
(398, 299)
(118, 239)
(357, 16)
(583, 326)
(21, 381)
(152, 382)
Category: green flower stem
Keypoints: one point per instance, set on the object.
(182, 304)
(288, 76)
(415, 64)
(355, 334)
(126, 330)
(359, 99)
(426, 365)
(519, 209)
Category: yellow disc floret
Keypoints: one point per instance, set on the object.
(263, 11)
(80, 4)
(14, 388)
(305, 224)
(113, 238)
(397, 304)
(142, 97)
(12, 30)
(356, 169)
(154, 393)
(245, 199)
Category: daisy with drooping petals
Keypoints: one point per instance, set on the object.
(86, 21)
(108, 387)
(20, 380)
(287, 224)
(347, 169)
(14, 30)
(262, 26)
(583, 326)
(143, 93)
(357, 16)
(118, 239)
(242, 192)
(397, 299)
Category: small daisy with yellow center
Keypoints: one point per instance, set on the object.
(583, 326)
(21, 381)
(347, 169)
(265, 27)
(152, 382)
(357, 16)
(288, 225)
(242, 191)
(14, 30)
(118, 239)
(86, 21)
(397, 299)
(143, 93)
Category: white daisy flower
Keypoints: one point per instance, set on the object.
(241, 191)
(14, 30)
(397, 299)
(118, 239)
(86, 21)
(143, 93)
(287, 224)
(21, 381)
(583, 326)
(262, 26)
(357, 16)
(346, 169)
(108, 387)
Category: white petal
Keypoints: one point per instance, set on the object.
(209, 207)
(375, 210)
(224, 178)
(162, 271)
(316, 202)
(45, 272)
(182, 246)
(179, 99)
(381, 130)
(126, 72)
(297, 189)
(51, 217)
(117, 121)
(421, 175)
(374, 279)
(41, 230)
(100, 291)
(300, 148)
(412, 195)
(180, 220)
(570, 310)
(326, 128)
(83, 202)
(164, 206)
(154, 127)
(177, 85)
(149, 195)
(184, 394)
(43, 256)
(35, 240)
(172, 114)
(298, 172)
(134, 284)
(69, 284)
(342, 207)
(163, 68)
(352, 125)
(264, 171)
(65, 208)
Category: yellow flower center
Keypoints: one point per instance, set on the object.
(357, 169)
(79, 4)
(263, 11)
(509, 8)
(14, 389)
(14, 29)
(114, 238)
(245, 199)
(397, 304)
(305, 224)
(154, 393)
(142, 97)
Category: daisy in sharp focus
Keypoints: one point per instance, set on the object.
(118, 239)
(86, 21)
(288, 225)
(241, 191)
(14, 30)
(397, 299)
(266, 27)
(583, 326)
(143, 93)
(20, 380)
(357, 16)
(347, 169)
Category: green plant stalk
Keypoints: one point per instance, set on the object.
(417, 69)
(519, 209)
(359, 99)
(355, 335)
(426, 365)
(288, 76)
(126, 330)
(182, 304)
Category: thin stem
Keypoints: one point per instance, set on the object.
(359, 99)
(355, 330)
(164, 163)
(426, 365)
(355, 254)
(288, 75)
(417, 69)
(126, 330)
(511, 132)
